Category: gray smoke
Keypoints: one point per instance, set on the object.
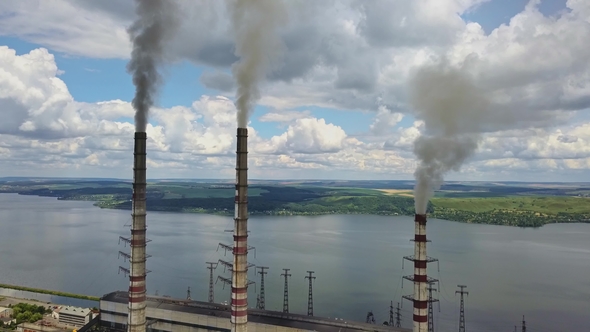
(156, 23)
(255, 24)
(454, 110)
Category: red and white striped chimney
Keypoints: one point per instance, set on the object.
(137, 272)
(239, 290)
(420, 276)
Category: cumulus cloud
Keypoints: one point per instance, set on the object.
(385, 121)
(310, 135)
(37, 103)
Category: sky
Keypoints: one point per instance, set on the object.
(336, 105)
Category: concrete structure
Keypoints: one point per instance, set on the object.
(7, 320)
(29, 327)
(167, 314)
(5, 312)
(73, 316)
(137, 271)
(239, 287)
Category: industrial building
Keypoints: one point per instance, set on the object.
(5, 312)
(72, 316)
(168, 314)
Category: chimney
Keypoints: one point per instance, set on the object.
(239, 289)
(137, 292)
(420, 277)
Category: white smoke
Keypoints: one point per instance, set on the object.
(258, 45)
(156, 22)
(454, 110)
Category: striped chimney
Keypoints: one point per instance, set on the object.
(420, 276)
(239, 290)
(137, 292)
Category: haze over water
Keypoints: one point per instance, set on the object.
(541, 273)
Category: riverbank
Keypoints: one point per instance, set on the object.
(50, 292)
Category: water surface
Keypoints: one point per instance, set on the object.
(509, 272)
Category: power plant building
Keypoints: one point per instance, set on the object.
(168, 314)
(73, 316)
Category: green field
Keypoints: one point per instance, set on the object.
(540, 204)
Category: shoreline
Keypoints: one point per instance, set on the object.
(466, 217)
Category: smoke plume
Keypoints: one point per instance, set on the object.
(258, 45)
(155, 23)
(453, 109)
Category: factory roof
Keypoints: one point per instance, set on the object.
(310, 323)
(74, 311)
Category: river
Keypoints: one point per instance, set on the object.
(543, 273)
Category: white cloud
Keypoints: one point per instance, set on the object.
(308, 136)
(385, 121)
(67, 26)
(284, 116)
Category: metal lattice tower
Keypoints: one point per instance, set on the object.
(391, 314)
(310, 294)
(430, 311)
(212, 266)
(462, 310)
(523, 324)
(188, 293)
(398, 316)
(286, 290)
(260, 303)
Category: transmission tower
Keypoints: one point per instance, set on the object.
(212, 266)
(430, 311)
(188, 293)
(260, 303)
(523, 324)
(286, 290)
(398, 316)
(310, 294)
(391, 314)
(462, 314)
